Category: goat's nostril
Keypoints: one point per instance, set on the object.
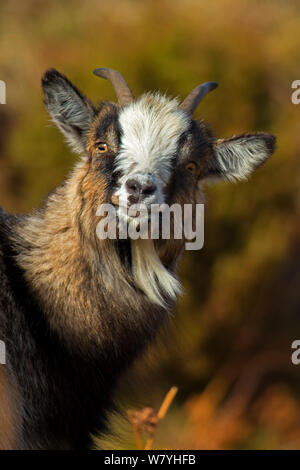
(148, 188)
(139, 190)
(133, 186)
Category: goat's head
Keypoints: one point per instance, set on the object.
(149, 149)
(149, 145)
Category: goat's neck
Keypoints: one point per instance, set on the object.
(87, 292)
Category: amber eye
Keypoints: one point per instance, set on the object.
(192, 167)
(102, 147)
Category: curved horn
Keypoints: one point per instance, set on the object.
(193, 99)
(122, 89)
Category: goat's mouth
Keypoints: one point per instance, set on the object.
(125, 208)
(136, 221)
(141, 220)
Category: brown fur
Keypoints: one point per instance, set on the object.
(8, 425)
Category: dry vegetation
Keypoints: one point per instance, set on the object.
(230, 352)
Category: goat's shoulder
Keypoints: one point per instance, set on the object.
(7, 223)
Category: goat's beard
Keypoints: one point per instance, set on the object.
(151, 276)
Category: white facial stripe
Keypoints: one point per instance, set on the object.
(151, 128)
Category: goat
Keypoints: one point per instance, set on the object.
(75, 311)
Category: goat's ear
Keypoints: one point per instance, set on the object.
(71, 111)
(237, 157)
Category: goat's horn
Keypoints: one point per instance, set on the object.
(122, 89)
(193, 99)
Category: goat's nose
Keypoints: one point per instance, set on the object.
(139, 190)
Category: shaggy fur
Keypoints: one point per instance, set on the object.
(75, 311)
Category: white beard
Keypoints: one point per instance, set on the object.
(150, 274)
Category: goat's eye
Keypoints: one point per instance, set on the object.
(192, 167)
(102, 147)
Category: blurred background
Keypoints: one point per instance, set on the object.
(229, 346)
